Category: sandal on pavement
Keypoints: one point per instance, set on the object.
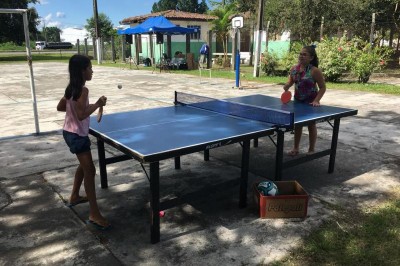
(98, 226)
(79, 201)
(293, 153)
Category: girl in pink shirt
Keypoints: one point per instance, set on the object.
(75, 103)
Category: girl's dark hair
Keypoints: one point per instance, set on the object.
(77, 64)
(311, 50)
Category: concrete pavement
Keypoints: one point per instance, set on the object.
(37, 172)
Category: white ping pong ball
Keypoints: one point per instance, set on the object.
(119, 86)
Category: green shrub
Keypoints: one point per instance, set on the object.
(288, 60)
(269, 63)
(340, 55)
(11, 46)
(364, 59)
(332, 56)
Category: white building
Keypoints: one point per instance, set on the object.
(177, 42)
(73, 34)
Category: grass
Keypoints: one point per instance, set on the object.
(42, 56)
(354, 237)
(247, 75)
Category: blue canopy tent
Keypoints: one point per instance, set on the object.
(157, 25)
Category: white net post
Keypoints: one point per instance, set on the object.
(29, 59)
(32, 80)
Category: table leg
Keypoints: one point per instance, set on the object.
(155, 202)
(102, 163)
(335, 135)
(177, 162)
(244, 173)
(255, 143)
(206, 155)
(279, 155)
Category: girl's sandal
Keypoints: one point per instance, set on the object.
(293, 153)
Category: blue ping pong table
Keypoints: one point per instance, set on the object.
(304, 114)
(152, 135)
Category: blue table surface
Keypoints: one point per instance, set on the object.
(302, 111)
(164, 129)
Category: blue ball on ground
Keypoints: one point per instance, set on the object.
(267, 188)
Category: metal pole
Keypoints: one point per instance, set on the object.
(267, 36)
(234, 48)
(210, 45)
(112, 49)
(123, 40)
(29, 58)
(98, 36)
(32, 80)
(86, 47)
(321, 32)
(237, 62)
(256, 71)
(371, 37)
(94, 48)
(79, 46)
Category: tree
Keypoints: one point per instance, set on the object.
(188, 5)
(303, 17)
(52, 34)
(247, 5)
(163, 5)
(104, 23)
(202, 8)
(12, 26)
(221, 25)
(192, 6)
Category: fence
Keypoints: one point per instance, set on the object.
(112, 48)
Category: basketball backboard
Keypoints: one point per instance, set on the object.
(237, 22)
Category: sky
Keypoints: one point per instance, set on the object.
(74, 13)
(71, 15)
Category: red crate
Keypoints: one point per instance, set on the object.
(291, 202)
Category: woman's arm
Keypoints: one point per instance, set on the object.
(319, 79)
(290, 81)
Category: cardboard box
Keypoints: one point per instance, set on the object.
(292, 201)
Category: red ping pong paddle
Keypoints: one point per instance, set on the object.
(286, 97)
(99, 114)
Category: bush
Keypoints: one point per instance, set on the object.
(364, 59)
(11, 46)
(288, 60)
(339, 55)
(269, 63)
(291, 57)
(332, 56)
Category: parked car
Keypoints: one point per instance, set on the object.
(40, 45)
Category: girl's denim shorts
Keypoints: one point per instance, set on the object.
(77, 144)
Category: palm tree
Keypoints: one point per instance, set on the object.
(222, 24)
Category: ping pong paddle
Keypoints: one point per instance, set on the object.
(99, 114)
(286, 97)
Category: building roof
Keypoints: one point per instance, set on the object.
(169, 14)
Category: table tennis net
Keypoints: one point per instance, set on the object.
(276, 117)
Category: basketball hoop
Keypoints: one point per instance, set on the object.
(237, 22)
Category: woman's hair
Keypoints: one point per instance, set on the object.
(311, 50)
(77, 64)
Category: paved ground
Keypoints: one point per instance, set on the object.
(37, 171)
